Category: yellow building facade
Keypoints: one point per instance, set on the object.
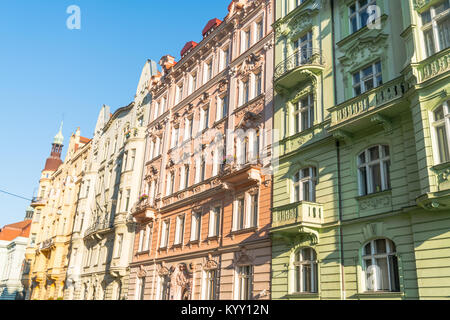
(52, 225)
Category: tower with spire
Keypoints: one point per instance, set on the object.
(54, 161)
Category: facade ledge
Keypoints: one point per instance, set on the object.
(243, 231)
(379, 295)
(356, 35)
(435, 201)
(303, 295)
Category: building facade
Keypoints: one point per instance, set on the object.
(55, 207)
(203, 215)
(361, 193)
(100, 250)
(13, 243)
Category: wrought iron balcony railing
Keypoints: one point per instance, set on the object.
(99, 226)
(301, 57)
(300, 212)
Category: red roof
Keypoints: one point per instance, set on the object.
(84, 140)
(12, 231)
(189, 45)
(211, 24)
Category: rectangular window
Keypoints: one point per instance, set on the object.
(195, 226)
(225, 61)
(214, 222)
(141, 240)
(192, 83)
(240, 217)
(441, 125)
(254, 199)
(119, 245)
(186, 184)
(367, 78)
(148, 237)
(141, 288)
(133, 159)
(244, 285)
(436, 27)
(258, 84)
(208, 71)
(179, 230)
(165, 233)
(204, 118)
(209, 285)
(259, 30)
(359, 14)
(175, 137)
(187, 129)
(244, 92)
(179, 94)
(304, 114)
(246, 40)
(127, 200)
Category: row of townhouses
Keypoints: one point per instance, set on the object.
(300, 150)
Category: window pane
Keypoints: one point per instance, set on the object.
(426, 17)
(439, 113)
(393, 271)
(367, 249)
(306, 191)
(367, 72)
(442, 144)
(376, 178)
(385, 151)
(368, 84)
(354, 24)
(429, 42)
(363, 177)
(356, 78)
(362, 158)
(306, 278)
(380, 245)
(382, 274)
(387, 173)
(374, 153)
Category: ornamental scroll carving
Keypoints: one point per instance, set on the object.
(210, 264)
(375, 203)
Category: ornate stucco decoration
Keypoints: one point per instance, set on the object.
(242, 258)
(141, 273)
(384, 121)
(373, 230)
(419, 4)
(363, 51)
(163, 270)
(375, 203)
(223, 86)
(252, 63)
(250, 120)
(210, 264)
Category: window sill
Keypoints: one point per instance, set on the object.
(242, 231)
(380, 294)
(440, 166)
(375, 194)
(140, 253)
(177, 245)
(303, 295)
(194, 242)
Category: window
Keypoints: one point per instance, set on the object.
(208, 71)
(303, 47)
(225, 61)
(162, 107)
(187, 129)
(204, 118)
(156, 111)
(148, 237)
(244, 91)
(165, 234)
(140, 292)
(246, 40)
(436, 27)
(373, 166)
(170, 183)
(133, 159)
(202, 169)
(192, 82)
(380, 266)
(304, 113)
(259, 30)
(127, 200)
(186, 175)
(244, 284)
(163, 292)
(258, 84)
(359, 14)
(214, 222)
(179, 230)
(119, 245)
(222, 107)
(37, 216)
(179, 93)
(305, 271)
(125, 161)
(305, 185)
(245, 211)
(141, 240)
(140, 123)
(441, 132)
(367, 78)
(175, 137)
(209, 285)
(195, 226)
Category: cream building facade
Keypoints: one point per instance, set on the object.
(55, 207)
(101, 247)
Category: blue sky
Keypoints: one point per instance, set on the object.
(48, 72)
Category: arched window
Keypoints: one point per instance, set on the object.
(374, 170)
(305, 185)
(305, 264)
(380, 266)
(441, 132)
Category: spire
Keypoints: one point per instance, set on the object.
(59, 138)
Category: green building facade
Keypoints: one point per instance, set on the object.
(361, 194)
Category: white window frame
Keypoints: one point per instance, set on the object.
(362, 79)
(249, 218)
(432, 26)
(141, 240)
(359, 11)
(179, 92)
(208, 70)
(209, 284)
(214, 221)
(241, 277)
(299, 185)
(165, 232)
(299, 266)
(390, 253)
(441, 155)
(384, 172)
(225, 57)
(300, 110)
(179, 230)
(196, 219)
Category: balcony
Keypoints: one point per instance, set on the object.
(46, 245)
(305, 213)
(144, 210)
(38, 201)
(376, 105)
(234, 174)
(298, 67)
(99, 227)
(434, 66)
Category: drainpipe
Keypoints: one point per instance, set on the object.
(338, 155)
